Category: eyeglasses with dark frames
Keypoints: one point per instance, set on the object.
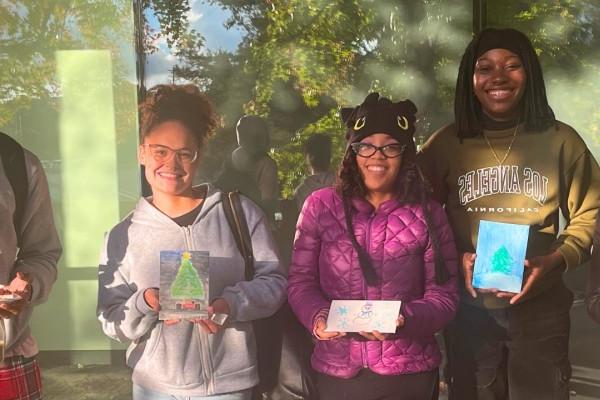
(162, 153)
(367, 150)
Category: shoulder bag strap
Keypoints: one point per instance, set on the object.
(236, 219)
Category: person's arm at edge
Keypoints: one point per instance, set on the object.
(40, 248)
(579, 204)
(592, 295)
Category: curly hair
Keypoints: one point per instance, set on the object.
(182, 103)
(411, 188)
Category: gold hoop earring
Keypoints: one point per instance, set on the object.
(360, 123)
(402, 123)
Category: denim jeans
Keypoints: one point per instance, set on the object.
(140, 393)
(516, 353)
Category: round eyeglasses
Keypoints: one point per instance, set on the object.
(162, 153)
(368, 150)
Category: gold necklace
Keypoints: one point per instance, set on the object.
(509, 146)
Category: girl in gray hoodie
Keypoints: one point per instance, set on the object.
(197, 359)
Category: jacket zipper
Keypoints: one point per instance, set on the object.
(206, 361)
(365, 289)
(202, 336)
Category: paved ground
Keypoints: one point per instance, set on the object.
(103, 382)
(93, 382)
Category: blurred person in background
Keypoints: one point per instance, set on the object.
(250, 169)
(317, 149)
(29, 254)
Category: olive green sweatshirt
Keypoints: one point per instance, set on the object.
(544, 173)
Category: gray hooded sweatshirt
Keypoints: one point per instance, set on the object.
(182, 359)
(38, 255)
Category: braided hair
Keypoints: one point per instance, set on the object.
(536, 112)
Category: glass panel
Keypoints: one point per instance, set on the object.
(68, 94)
(296, 62)
(565, 35)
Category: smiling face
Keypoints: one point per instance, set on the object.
(378, 172)
(173, 176)
(499, 83)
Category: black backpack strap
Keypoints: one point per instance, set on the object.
(232, 206)
(13, 162)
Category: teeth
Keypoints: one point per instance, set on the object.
(499, 93)
(376, 168)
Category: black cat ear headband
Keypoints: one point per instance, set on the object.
(379, 114)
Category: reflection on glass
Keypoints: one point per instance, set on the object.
(565, 35)
(295, 62)
(87, 149)
(68, 93)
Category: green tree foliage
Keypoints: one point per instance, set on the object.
(300, 60)
(172, 17)
(502, 261)
(565, 36)
(187, 283)
(32, 33)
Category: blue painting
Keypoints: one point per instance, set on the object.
(501, 249)
(363, 315)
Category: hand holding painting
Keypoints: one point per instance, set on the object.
(499, 266)
(468, 263)
(371, 319)
(151, 298)
(321, 333)
(538, 267)
(217, 312)
(502, 247)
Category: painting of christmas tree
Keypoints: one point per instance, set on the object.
(187, 283)
(501, 249)
(183, 284)
(502, 262)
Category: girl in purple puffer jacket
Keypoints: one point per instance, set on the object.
(376, 236)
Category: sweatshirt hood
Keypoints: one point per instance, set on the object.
(146, 214)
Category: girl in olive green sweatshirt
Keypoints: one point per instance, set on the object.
(507, 159)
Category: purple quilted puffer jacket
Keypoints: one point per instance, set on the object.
(325, 267)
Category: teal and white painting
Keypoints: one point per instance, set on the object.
(363, 316)
(501, 249)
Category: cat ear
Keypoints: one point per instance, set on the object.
(408, 106)
(372, 98)
(347, 116)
